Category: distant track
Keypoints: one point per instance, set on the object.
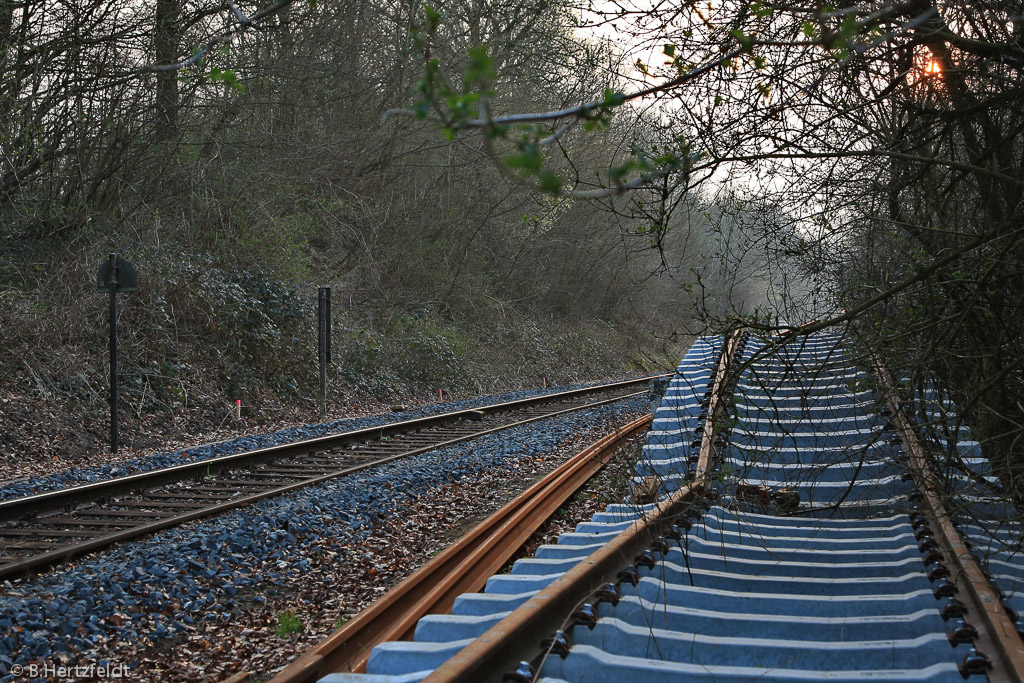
(50, 528)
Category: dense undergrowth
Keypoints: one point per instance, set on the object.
(199, 334)
(236, 200)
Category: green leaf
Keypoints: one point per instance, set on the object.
(495, 131)
(550, 182)
(669, 50)
(529, 160)
(481, 66)
(850, 27)
(461, 106)
(617, 173)
(449, 133)
(432, 68)
(809, 29)
(433, 18)
(613, 98)
(422, 108)
(746, 42)
(227, 77)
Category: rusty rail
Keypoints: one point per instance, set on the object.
(61, 499)
(997, 637)
(462, 567)
(499, 649)
(119, 530)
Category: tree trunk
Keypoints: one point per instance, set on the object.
(6, 22)
(166, 40)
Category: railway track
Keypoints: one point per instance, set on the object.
(816, 542)
(49, 528)
(463, 566)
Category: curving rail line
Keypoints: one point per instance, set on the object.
(812, 544)
(986, 621)
(49, 528)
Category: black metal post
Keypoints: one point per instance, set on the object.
(113, 353)
(324, 344)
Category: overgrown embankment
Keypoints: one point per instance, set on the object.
(238, 186)
(198, 335)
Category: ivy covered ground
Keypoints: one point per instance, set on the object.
(195, 338)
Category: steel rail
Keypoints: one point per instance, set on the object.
(997, 637)
(66, 552)
(61, 499)
(462, 567)
(500, 648)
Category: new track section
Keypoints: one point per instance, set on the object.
(794, 559)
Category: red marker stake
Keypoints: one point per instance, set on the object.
(238, 409)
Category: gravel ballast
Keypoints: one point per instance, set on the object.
(58, 476)
(201, 601)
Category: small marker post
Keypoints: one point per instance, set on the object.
(238, 409)
(112, 283)
(115, 275)
(323, 344)
(545, 381)
(440, 394)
